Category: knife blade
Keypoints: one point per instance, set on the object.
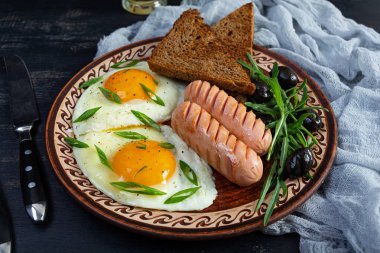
(24, 114)
(5, 227)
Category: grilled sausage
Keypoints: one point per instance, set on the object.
(214, 143)
(230, 114)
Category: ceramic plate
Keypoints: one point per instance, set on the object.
(233, 210)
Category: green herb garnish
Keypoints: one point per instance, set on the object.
(146, 120)
(189, 172)
(125, 64)
(103, 158)
(143, 168)
(87, 114)
(152, 95)
(182, 195)
(166, 145)
(142, 189)
(141, 146)
(289, 133)
(75, 143)
(110, 95)
(90, 82)
(308, 176)
(131, 135)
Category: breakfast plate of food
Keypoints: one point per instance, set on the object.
(196, 135)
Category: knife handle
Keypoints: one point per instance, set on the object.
(31, 182)
(5, 224)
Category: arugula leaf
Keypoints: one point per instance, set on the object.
(284, 187)
(266, 185)
(102, 157)
(296, 125)
(283, 154)
(75, 143)
(131, 135)
(87, 114)
(304, 98)
(294, 142)
(289, 133)
(315, 141)
(306, 108)
(308, 175)
(262, 109)
(110, 95)
(152, 95)
(182, 195)
(90, 82)
(272, 203)
(271, 125)
(146, 120)
(188, 172)
(142, 189)
(301, 138)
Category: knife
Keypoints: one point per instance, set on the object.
(24, 113)
(5, 227)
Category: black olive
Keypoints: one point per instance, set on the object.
(262, 93)
(299, 163)
(312, 123)
(286, 77)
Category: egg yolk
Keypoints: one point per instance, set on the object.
(144, 162)
(127, 84)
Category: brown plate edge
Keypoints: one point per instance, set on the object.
(194, 234)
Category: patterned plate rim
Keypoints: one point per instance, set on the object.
(203, 233)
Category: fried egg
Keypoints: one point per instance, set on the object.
(147, 163)
(126, 83)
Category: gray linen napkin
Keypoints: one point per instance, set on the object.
(344, 58)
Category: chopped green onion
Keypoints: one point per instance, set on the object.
(87, 114)
(152, 95)
(110, 95)
(131, 135)
(146, 120)
(102, 157)
(142, 189)
(141, 146)
(143, 168)
(126, 64)
(182, 195)
(166, 145)
(188, 172)
(90, 82)
(75, 143)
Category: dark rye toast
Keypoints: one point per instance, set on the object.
(191, 51)
(236, 31)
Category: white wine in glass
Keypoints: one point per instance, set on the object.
(142, 7)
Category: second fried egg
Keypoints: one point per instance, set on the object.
(147, 163)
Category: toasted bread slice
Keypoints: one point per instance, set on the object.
(236, 30)
(192, 51)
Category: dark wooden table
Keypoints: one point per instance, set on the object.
(56, 39)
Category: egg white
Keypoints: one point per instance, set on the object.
(113, 115)
(101, 176)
